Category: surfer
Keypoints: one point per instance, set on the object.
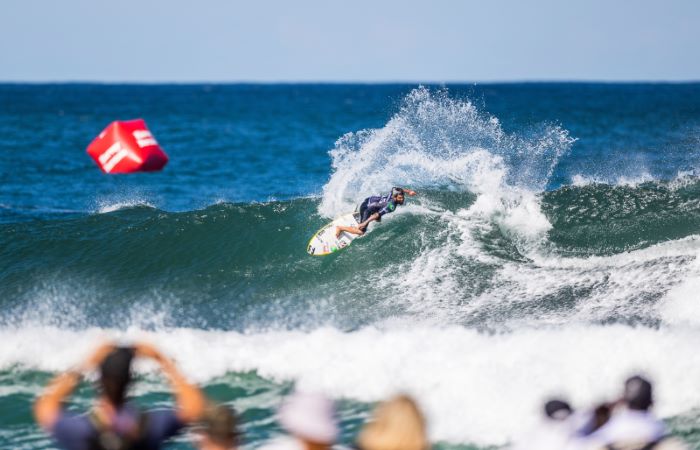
(373, 208)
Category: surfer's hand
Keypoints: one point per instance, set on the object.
(410, 192)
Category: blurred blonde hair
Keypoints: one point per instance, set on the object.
(397, 424)
(220, 425)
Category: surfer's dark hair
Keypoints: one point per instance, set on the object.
(115, 375)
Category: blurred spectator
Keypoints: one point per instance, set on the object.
(555, 430)
(218, 429)
(114, 423)
(310, 421)
(632, 425)
(397, 424)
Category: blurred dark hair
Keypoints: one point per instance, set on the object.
(557, 409)
(638, 393)
(115, 375)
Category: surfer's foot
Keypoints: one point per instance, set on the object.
(337, 232)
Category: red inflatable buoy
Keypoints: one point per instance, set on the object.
(125, 147)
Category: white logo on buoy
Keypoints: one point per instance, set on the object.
(144, 138)
(113, 156)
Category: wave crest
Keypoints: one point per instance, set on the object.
(438, 141)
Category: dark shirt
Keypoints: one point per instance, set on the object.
(78, 432)
(382, 204)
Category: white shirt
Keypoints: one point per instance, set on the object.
(549, 435)
(629, 426)
(291, 443)
(283, 443)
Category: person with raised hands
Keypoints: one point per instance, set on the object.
(114, 423)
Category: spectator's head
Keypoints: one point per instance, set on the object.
(218, 429)
(638, 395)
(397, 424)
(310, 417)
(115, 375)
(557, 409)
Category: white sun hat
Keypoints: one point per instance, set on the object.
(310, 416)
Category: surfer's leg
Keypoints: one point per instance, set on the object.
(364, 212)
(353, 230)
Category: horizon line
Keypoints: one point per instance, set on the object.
(349, 82)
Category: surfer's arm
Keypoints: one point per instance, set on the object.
(409, 192)
(48, 407)
(189, 398)
(371, 218)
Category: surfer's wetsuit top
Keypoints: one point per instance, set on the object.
(382, 204)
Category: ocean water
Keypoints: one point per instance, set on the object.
(554, 248)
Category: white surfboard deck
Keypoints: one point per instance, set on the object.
(324, 241)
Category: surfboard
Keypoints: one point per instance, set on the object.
(324, 241)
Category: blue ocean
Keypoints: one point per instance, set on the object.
(553, 248)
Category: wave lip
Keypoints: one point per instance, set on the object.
(437, 141)
(108, 207)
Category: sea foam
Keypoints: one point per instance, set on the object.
(475, 387)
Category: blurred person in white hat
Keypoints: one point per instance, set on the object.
(310, 420)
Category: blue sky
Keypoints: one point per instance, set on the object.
(351, 40)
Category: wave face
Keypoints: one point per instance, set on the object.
(497, 286)
(237, 266)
